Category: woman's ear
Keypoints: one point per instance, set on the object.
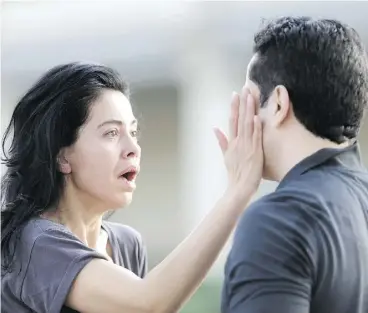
(63, 163)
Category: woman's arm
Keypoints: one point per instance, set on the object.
(105, 287)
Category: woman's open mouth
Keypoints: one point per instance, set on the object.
(128, 177)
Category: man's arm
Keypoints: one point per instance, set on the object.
(271, 264)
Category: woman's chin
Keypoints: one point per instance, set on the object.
(116, 201)
(123, 200)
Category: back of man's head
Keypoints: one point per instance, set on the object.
(323, 65)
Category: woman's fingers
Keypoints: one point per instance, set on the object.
(247, 119)
(257, 133)
(243, 123)
(234, 116)
(222, 139)
(242, 110)
(249, 116)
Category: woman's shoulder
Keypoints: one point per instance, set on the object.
(41, 237)
(48, 258)
(38, 229)
(41, 225)
(124, 234)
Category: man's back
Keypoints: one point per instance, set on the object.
(339, 194)
(304, 248)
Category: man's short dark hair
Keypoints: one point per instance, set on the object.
(323, 65)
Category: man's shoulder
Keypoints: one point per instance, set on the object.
(279, 216)
(275, 227)
(311, 191)
(321, 190)
(328, 182)
(290, 201)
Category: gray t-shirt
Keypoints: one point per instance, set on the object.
(48, 258)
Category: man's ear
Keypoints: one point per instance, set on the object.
(63, 162)
(282, 106)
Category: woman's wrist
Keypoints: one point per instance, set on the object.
(237, 199)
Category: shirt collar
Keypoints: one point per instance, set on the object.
(349, 157)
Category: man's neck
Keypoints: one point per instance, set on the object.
(292, 152)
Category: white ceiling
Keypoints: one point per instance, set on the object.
(143, 38)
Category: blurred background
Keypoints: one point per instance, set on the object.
(182, 60)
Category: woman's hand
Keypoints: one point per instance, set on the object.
(242, 150)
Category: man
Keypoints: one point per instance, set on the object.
(304, 248)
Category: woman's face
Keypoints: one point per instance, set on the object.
(102, 165)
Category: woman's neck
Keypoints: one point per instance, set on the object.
(86, 227)
(80, 215)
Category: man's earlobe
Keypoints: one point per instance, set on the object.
(283, 104)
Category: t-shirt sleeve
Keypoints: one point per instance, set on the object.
(271, 264)
(142, 257)
(132, 247)
(55, 260)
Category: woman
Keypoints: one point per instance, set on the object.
(75, 155)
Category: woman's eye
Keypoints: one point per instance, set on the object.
(112, 133)
(135, 133)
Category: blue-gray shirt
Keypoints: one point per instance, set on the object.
(304, 248)
(49, 257)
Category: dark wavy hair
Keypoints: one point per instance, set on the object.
(45, 120)
(324, 66)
